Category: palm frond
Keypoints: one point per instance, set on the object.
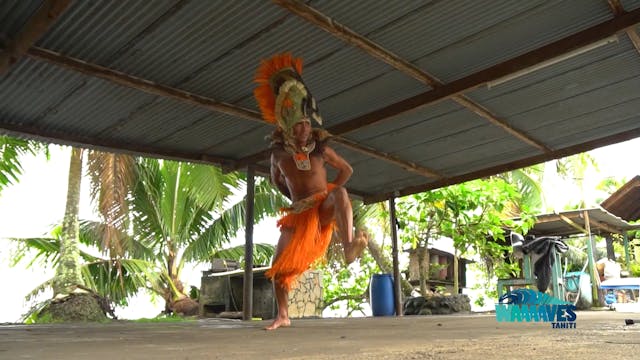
(208, 186)
(47, 250)
(47, 284)
(149, 224)
(267, 202)
(91, 234)
(112, 178)
(119, 281)
(11, 149)
(262, 253)
(362, 213)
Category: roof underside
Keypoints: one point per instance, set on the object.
(408, 88)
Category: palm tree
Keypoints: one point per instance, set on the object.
(11, 149)
(97, 273)
(573, 169)
(528, 182)
(174, 213)
(70, 299)
(178, 222)
(68, 270)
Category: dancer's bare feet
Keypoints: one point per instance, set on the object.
(279, 322)
(353, 249)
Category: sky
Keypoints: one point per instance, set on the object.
(30, 208)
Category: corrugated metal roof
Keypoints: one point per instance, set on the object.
(600, 220)
(625, 202)
(212, 49)
(14, 14)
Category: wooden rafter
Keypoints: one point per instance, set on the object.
(134, 149)
(548, 52)
(570, 219)
(349, 36)
(618, 9)
(572, 223)
(407, 165)
(73, 139)
(605, 227)
(556, 154)
(147, 86)
(34, 28)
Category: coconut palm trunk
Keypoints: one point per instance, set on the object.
(68, 271)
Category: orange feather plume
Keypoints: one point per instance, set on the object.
(264, 93)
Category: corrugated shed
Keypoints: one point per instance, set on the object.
(554, 225)
(625, 202)
(212, 49)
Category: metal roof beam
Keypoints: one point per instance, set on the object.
(548, 52)
(590, 145)
(36, 26)
(349, 36)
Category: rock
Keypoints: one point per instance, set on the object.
(437, 305)
(186, 307)
(425, 311)
(75, 307)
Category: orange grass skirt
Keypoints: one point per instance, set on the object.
(308, 243)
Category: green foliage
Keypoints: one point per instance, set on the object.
(470, 213)
(194, 293)
(348, 287)
(36, 318)
(634, 269)
(262, 254)
(11, 150)
(169, 225)
(434, 269)
(527, 182)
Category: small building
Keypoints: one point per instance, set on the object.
(222, 286)
(439, 266)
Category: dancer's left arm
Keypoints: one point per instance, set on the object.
(336, 161)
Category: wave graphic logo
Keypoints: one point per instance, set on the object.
(533, 306)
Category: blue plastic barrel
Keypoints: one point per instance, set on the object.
(381, 294)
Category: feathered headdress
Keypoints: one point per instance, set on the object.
(282, 96)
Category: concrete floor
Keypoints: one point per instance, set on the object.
(599, 335)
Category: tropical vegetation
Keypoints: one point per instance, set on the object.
(156, 219)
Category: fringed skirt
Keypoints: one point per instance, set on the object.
(308, 243)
